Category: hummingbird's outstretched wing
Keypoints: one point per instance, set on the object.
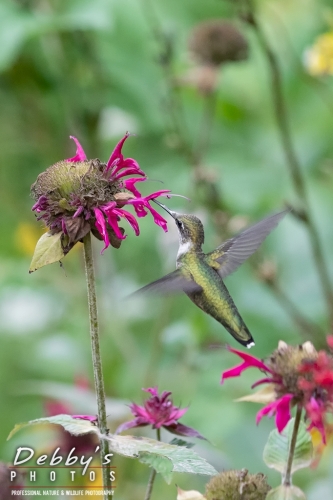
(173, 282)
(231, 254)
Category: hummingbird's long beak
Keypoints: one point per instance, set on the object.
(173, 214)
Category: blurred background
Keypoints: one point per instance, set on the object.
(206, 126)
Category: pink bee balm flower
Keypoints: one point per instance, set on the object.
(159, 411)
(296, 376)
(78, 195)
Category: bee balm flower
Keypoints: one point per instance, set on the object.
(78, 195)
(295, 376)
(159, 411)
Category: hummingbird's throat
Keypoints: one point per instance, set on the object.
(184, 247)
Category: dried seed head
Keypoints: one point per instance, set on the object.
(77, 195)
(286, 361)
(237, 485)
(216, 42)
(65, 181)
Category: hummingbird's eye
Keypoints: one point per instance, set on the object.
(179, 224)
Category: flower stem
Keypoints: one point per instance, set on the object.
(287, 476)
(292, 161)
(96, 358)
(153, 472)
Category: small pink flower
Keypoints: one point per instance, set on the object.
(78, 195)
(159, 411)
(298, 376)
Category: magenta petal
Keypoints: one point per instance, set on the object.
(283, 414)
(129, 185)
(152, 390)
(63, 226)
(158, 219)
(91, 418)
(78, 212)
(130, 219)
(183, 430)
(177, 413)
(128, 425)
(113, 221)
(249, 361)
(162, 192)
(315, 414)
(139, 411)
(130, 165)
(127, 171)
(265, 381)
(164, 396)
(101, 227)
(138, 207)
(282, 409)
(266, 410)
(116, 153)
(80, 154)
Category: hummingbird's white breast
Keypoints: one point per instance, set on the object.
(184, 248)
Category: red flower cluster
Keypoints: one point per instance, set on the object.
(297, 376)
(316, 383)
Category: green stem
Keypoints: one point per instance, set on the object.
(153, 472)
(96, 358)
(287, 476)
(282, 120)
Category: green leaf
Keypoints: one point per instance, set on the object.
(161, 464)
(74, 426)
(183, 459)
(277, 448)
(48, 250)
(164, 457)
(286, 493)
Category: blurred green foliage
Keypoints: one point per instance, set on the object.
(92, 69)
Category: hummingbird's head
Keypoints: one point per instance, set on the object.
(190, 229)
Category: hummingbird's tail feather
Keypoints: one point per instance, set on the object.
(244, 337)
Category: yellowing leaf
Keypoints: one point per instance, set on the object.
(318, 445)
(263, 396)
(189, 495)
(48, 250)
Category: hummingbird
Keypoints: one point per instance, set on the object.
(201, 275)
